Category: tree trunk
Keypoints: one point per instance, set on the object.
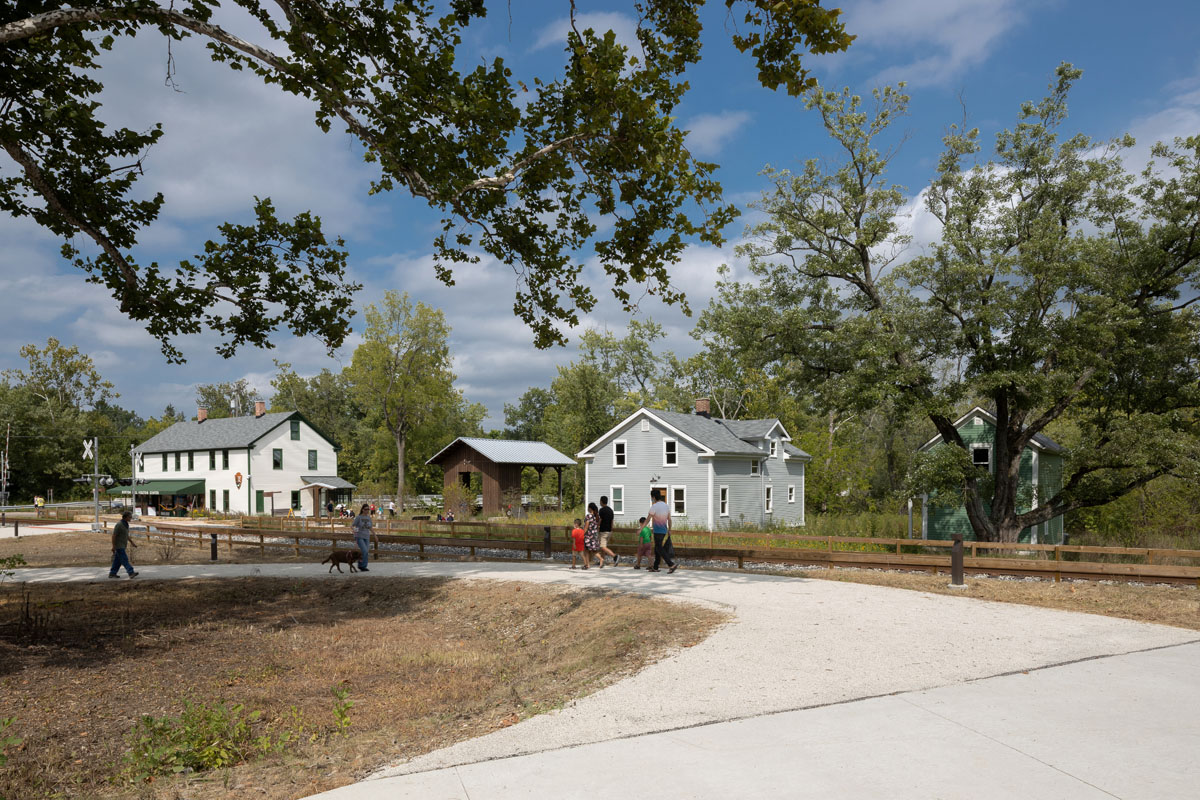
(401, 441)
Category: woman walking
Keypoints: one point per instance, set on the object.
(362, 534)
(591, 536)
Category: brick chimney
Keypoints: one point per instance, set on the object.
(260, 407)
(702, 408)
(201, 414)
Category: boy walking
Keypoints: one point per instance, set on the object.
(120, 541)
(645, 547)
(660, 523)
(577, 544)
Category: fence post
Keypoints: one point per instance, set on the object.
(296, 542)
(262, 545)
(547, 546)
(1057, 563)
(17, 528)
(213, 552)
(956, 561)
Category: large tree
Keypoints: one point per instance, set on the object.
(1058, 291)
(518, 169)
(401, 372)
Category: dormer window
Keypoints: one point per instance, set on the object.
(774, 448)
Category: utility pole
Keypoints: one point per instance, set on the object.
(133, 479)
(4, 467)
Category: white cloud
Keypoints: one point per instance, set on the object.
(709, 133)
(951, 36)
(555, 34)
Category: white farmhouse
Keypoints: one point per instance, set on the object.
(243, 465)
(714, 473)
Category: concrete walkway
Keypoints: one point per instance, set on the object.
(817, 688)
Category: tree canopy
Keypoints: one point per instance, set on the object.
(520, 170)
(1059, 293)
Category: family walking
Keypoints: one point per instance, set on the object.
(590, 536)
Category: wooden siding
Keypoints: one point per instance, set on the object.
(496, 480)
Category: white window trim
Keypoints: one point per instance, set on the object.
(754, 468)
(791, 492)
(674, 442)
(723, 501)
(991, 463)
(612, 496)
(624, 453)
(672, 501)
(770, 501)
(774, 448)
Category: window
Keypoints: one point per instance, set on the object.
(164, 462)
(617, 494)
(191, 461)
(754, 467)
(981, 457)
(212, 499)
(619, 453)
(224, 459)
(774, 448)
(312, 459)
(791, 494)
(670, 453)
(295, 430)
(178, 461)
(770, 501)
(277, 458)
(679, 500)
(212, 459)
(295, 500)
(224, 499)
(724, 501)
(645, 425)
(259, 505)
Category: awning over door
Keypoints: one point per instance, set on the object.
(186, 487)
(332, 482)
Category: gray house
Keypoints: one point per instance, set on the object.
(714, 473)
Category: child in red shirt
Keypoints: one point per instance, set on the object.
(577, 544)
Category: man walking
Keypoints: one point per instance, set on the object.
(659, 516)
(120, 541)
(606, 522)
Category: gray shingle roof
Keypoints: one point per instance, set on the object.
(795, 452)
(213, 434)
(715, 434)
(750, 428)
(507, 451)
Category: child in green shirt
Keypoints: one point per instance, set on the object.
(646, 545)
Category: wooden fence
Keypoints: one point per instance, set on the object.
(1054, 562)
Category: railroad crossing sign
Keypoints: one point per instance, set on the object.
(87, 450)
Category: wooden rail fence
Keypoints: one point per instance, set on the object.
(1054, 562)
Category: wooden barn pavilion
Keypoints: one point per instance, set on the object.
(499, 463)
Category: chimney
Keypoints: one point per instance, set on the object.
(201, 414)
(260, 407)
(702, 408)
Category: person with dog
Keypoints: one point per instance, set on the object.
(120, 541)
(577, 536)
(362, 527)
(660, 523)
(591, 535)
(645, 546)
(606, 523)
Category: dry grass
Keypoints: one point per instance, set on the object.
(427, 662)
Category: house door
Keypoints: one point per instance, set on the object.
(664, 493)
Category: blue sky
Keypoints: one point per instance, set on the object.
(228, 138)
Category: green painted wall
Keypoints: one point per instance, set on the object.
(946, 521)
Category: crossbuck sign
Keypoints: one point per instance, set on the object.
(87, 450)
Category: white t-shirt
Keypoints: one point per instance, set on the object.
(660, 517)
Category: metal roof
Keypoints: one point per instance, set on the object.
(508, 451)
(328, 481)
(216, 434)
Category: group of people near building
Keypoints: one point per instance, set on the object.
(590, 536)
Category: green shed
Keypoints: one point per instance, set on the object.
(1040, 472)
